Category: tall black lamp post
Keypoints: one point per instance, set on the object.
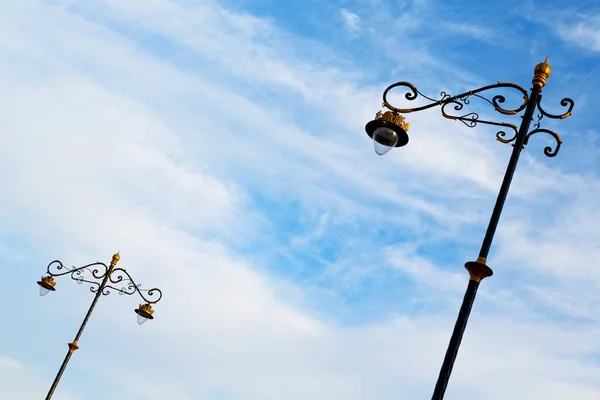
(101, 281)
(388, 130)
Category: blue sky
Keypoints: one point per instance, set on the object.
(220, 147)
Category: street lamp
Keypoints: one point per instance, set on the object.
(389, 130)
(101, 281)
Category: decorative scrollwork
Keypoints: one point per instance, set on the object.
(470, 119)
(451, 107)
(56, 268)
(56, 264)
(95, 286)
(501, 135)
(444, 96)
(539, 121)
(496, 101)
(564, 102)
(101, 282)
(116, 276)
(465, 99)
(548, 150)
(120, 275)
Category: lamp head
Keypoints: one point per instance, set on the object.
(388, 130)
(144, 313)
(46, 285)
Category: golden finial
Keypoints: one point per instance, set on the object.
(541, 72)
(115, 258)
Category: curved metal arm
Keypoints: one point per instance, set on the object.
(472, 119)
(564, 102)
(548, 150)
(120, 275)
(464, 97)
(77, 273)
(469, 119)
(95, 272)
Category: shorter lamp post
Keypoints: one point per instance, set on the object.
(101, 285)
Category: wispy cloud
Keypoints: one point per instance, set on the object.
(225, 156)
(581, 30)
(351, 21)
(475, 32)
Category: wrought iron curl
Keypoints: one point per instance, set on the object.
(95, 286)
(472, 119)
(465, 99)
(469, 119)
(151, 292)
(539, 121)
(120, 275)
(501, 136)
(496, 101)
(500, 99)
(548, 150)
(77, 274)
(129, 287)
(58, 266)
(104, 289)
(565, 102)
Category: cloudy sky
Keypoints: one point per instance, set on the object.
(220, 146)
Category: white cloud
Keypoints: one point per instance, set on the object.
(351, 21)
(581, 30)
(106, 147)
(19, 382)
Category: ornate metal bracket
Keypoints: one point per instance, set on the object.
(564, 102)
(77, 274)
(96, 275)
(120, 275)
(450, 105)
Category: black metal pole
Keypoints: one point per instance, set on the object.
(510, 170)
(73, 345)
(478, 270)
